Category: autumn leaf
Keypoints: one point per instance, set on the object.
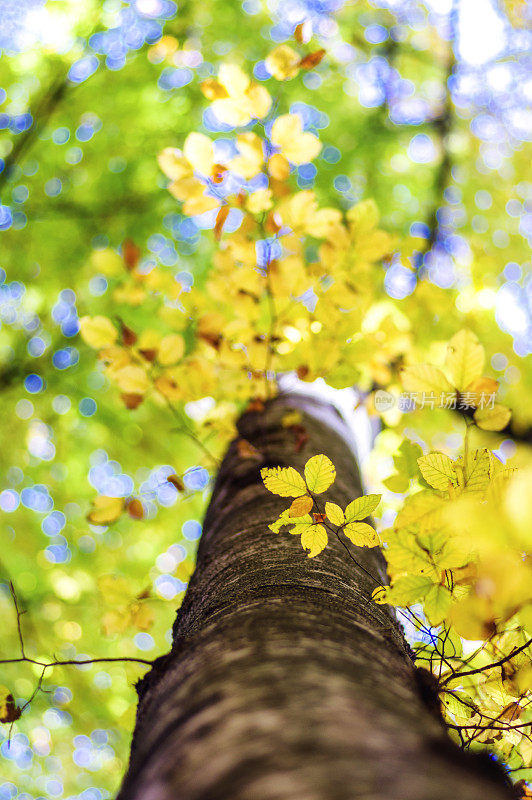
(361, 534)
(247, 450)
(134, 508)
(301, 506)
(362, 507)
(494, 418)
(465, 359)
(319, 473)
(314, 539)
(438, 470)
(132, 380)
(105, 510)
(423, 379)
(171, 349)
(303, 32)
(284, 481)
(176, 481)
(97, 331)
(296, 145)
(129, 337)
(132, 401)
(312, 59)
(131, 254)
(334, 513)
(283, 62)
(222, 215)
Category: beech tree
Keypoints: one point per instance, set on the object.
(289, 319)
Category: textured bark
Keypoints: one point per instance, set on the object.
(285, 682)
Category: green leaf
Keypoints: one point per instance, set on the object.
(319, 473)
(284, 481)
(362, 507)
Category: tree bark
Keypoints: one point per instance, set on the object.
(285, 681)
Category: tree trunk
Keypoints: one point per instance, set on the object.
(285, 681)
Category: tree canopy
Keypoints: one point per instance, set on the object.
(202, 202)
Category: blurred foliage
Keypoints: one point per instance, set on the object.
(408, 113)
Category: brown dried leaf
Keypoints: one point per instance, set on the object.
(129, 337)
(131, 401)
(220, 221)
(134, 508)
(246, 450)
(131, 254)
(301, 506)
(176, 481)
(312, 59)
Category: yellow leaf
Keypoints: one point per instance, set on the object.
(132, 379)
(473, 617)
(213, 90)
(171, 349)
(437, 603)
(284, 481)
(245, 100)
(480, 391)
(380, 594)
(259, 201)
(314, 539)
(98, 332)
(249, 162)
(283, 62)
(362, 507)
(363, 217)
(142, 616)
(198, 205)
(477, 474)
(319, 473)
(424, 379)
(301, 506)
(492, 419)
(115, 621)
(199, 152)
(278, 167)
(297, 146)
(174, 164)
(291, 418)
(423, 508)
(105, 510)
(334, 513)
(114, 589)
(438, 470)
(408, 589)
(107, 261)
(465, 359)
(361, 534)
